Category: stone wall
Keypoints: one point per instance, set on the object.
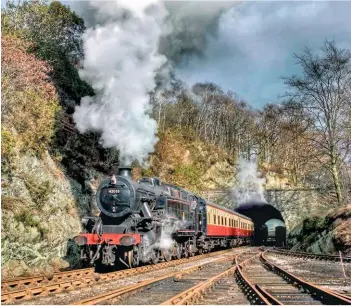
(294, 204)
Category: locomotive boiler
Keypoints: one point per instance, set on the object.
(148, 220)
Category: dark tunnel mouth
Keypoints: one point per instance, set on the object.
(260, 213)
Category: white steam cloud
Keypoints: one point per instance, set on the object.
(121, 60)
(127, 45)
(249, 186)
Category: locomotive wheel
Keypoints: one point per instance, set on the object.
(129, 258)
(191, 250)
(136, 259)
(185, 251)
(178, 251)
(154, 258)
(166, 255)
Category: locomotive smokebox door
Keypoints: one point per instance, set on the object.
(125, 171)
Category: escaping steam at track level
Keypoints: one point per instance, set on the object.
(121, 60)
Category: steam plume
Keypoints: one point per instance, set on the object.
(250, 186)
(128, 44)
(191, 24)
(121, 60)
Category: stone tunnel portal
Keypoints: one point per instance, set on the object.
(260, 213)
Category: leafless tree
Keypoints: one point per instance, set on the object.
(324, 92)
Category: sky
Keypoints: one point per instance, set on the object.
(256, 42)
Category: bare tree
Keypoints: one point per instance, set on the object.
(324, 92)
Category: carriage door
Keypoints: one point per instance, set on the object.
(203, 217)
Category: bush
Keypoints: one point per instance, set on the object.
(39, 192)
(30, 103)
(8, 154)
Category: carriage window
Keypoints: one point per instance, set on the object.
(225, 220)
(222, 220)
(214, 219)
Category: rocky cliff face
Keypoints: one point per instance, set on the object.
(41, 204)
(327, 233)
(40, 214)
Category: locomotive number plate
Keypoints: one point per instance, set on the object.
(114, 191)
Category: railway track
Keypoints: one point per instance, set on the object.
(218, 289)
(169, 289)
(29, 288)
(310, 255)
(34, 281)
(314, 271)
(266, 283)
(254, 277)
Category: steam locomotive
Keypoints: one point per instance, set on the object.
(146, 221)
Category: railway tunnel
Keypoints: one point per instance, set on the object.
(260, 213)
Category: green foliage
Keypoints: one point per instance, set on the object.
(40, 192)
(34, 120)
(28, 219)
(8, 154)
(188, 175)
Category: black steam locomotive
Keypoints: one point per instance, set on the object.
(147, 220)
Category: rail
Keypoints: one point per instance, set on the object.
(327, 296)
(310, 255)
(118, 293)
(52, 288)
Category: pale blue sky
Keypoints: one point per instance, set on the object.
(256, 44)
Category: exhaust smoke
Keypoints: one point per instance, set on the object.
(249, 187)
(121, 60)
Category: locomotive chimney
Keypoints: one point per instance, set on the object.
(125, 171)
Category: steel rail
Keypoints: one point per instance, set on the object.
(324, 295)
(46, 289)
(194, 293)
(25, 282)
(255, 294)
(142, 285)
(310, 255)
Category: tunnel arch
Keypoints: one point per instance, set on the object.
(259, 212)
